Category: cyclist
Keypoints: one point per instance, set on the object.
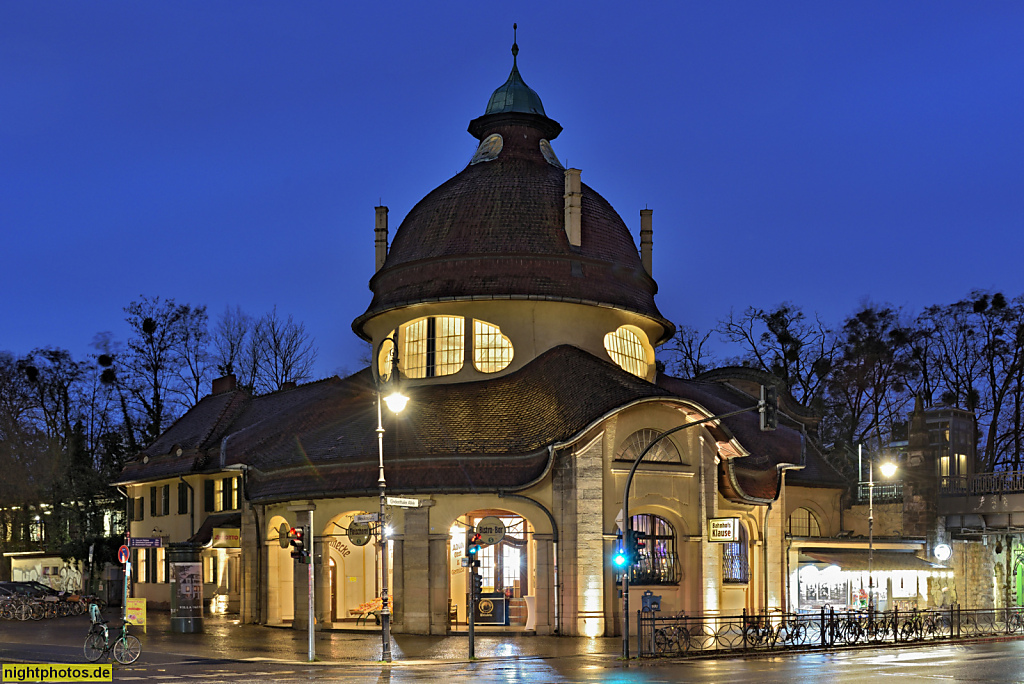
(97, 620)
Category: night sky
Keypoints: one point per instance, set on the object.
(227, 152)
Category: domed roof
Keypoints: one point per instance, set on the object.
(497, 231)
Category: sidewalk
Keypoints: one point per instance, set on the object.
(225, 638)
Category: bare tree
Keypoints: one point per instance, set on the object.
(784, 343)
(229, 340)
(285, 351)
(687, 353)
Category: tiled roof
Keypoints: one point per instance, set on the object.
(319, 440)
(496, 231)
(754, 477)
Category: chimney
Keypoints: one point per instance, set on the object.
(224, 384)
(380, 233)
(647, 241)
(573, 206)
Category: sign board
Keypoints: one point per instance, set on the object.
(365, 518)
(123, 554)
(723, 529)
(227, 538)
(359, 533)
(491, 609)
(402, 502)
(135, 612)
(145, 542)
(282, 535)
(491, 530)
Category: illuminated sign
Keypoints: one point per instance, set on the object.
(724, 529)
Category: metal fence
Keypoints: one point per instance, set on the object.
(1005, 482)
(683, 635)
(884, 493)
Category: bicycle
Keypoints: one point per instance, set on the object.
(125, 647)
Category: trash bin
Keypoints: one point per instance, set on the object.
(186, 566)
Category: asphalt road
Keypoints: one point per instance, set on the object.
(236, 654)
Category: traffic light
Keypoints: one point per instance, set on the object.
(477, 584)
(474, 545)
(769, 408)
(625, 550)
(297, 536)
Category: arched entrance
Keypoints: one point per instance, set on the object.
(280, 575)
(508, 569)
(352, 568)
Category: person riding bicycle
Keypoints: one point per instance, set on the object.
(97, 619)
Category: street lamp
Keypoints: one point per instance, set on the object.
(888, 470)
(384, 366)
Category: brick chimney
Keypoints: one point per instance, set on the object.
(573, 206)
(380, 236)
(224, 384)
(647, 241)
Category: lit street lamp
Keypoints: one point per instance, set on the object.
(384, 366)
(888, 470)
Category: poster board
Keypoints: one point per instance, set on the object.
(135, 612)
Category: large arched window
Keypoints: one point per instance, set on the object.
(735, 560)
(656, 561)
(802, 523)
(432, 346)
(664, 451)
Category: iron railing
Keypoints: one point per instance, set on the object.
(984, 483)
(683, 635)
(884, 493)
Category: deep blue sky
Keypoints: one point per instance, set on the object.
(232, 152)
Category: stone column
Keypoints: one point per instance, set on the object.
(440, 591)
(710, 554)
(416, 572)
(544, 589)
(322, 580)
(774, 541)
(590, 561)
(397, 592)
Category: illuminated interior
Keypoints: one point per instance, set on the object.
(492, 351)
(628, 347)
(432, 346)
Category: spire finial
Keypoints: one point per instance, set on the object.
(515, 45)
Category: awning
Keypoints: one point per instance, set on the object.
(856, 560)
(205, 533)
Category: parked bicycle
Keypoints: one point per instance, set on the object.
(125, 648)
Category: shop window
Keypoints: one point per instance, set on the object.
(664, 451)
(657, 561)
(628, 347)
(802, 523)
(492, 351)
(432, 347)
(735, 560)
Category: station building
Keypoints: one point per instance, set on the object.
(526, 330)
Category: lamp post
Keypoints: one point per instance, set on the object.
(888, 470)
(385, 379)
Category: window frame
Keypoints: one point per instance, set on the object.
(736, 559)
(657, 563)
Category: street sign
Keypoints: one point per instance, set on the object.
(359, 533)
(282, 535)
(491, 530)
(123, 554)
(365, 518)
(145, 542)
(404, 503)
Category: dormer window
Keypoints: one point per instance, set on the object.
(432, 346)
(628, 347)
(492, 351)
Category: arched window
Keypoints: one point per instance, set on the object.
(735, 560)
(492, 351)
(664, 451)
(628, 347)
(802, 523)
(656, 560)
(432, 347)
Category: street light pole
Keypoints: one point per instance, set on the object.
(385, 613)
(871, 531)
(396, 402)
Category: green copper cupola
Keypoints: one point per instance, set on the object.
(514, 95)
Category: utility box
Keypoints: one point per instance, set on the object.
(649, 603)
